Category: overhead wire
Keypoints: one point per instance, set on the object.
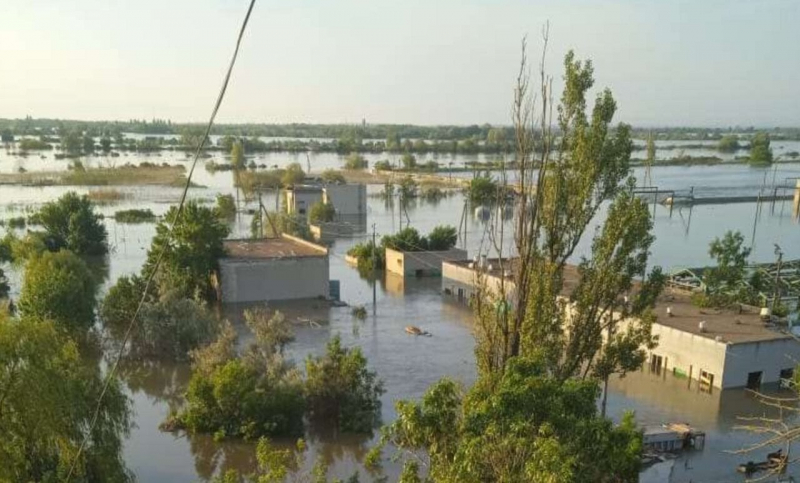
(120, 354)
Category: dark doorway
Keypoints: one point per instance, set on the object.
(754, 380)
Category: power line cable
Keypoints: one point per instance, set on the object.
(131, 325)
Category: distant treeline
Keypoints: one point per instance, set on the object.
(714, 134)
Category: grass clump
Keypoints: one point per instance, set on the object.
(135, 216)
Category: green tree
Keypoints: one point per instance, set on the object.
(48, 395)
(333, 176)
(728, 143)
(237, 155)
(191, 253)
(526, 427)
(725, 282)
(355, 161)
(442, 237)
(409, 161)
(105, 144)
(59, 287)
(650, 160)
(4, 287)
(71, 143)
(340, 388)
(71, 223)
(483, 190)
(257, 394)
(292, 175)
(88, 144)
(760, 152)
(226, 207)
(321, 212)
(166, 330)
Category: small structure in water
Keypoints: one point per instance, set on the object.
(673, 437)
(414, 330)
(775, 461)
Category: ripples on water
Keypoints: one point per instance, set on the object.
(407, 364)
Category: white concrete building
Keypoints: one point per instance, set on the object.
(717, 348)
(349, 200)
(300, 198)
(273, 269)
(420, 264)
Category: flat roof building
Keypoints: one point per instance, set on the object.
(718, 348)
(268, 269)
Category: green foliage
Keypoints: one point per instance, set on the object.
(134, 216)
(192, 253)
(407, 189)
(71, 143)
(105, 144)
(17, 222)
(359, 312)
(409, 161)
(167, 329)
(527, 427)
(728, 143)
(121, 301)
(30, 144)
(59, 287)
(4, 287)
(442, 237)
(257, 394)
(71, 223)
(760, 152)
(292, 175)
(321, 212)
(355, 161)
(730, 256)
(237, 155)
(384, 165)
(333, 176)
(48, 394)
(278, 223)
(226, 207)
(368, 256)
(483, 190)
(339, 387)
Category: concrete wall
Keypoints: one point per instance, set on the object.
(769, 357)
(327, 232)
(689, 353)
(347, 199)
(460, 282)
(274, 279)
(300, 201)
(420, 263)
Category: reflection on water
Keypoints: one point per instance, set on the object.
(409, 364)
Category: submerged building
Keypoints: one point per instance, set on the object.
(349, 200)
(717, 348)
(272, 269)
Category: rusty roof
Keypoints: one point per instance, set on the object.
(272, 248)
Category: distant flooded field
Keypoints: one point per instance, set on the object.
(408, 365)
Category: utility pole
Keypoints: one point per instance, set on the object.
(374, 279)
(776, 294)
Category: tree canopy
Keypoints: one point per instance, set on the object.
(760, 152)
(71, 223)
(59, 287)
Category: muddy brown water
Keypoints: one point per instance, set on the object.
(409, 364)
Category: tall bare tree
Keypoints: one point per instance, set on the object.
(568, 168)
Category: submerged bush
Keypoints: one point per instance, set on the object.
(256, 394)
(167, 330)
(226, 206)
(340, 388)
(135, 216)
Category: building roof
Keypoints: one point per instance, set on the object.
(731, 326)
(305, 188)
(272, 248)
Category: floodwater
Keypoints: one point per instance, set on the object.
(407, 364)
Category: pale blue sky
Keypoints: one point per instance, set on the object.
(688, 62)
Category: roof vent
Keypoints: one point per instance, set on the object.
(669, 311)
(702, 326)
